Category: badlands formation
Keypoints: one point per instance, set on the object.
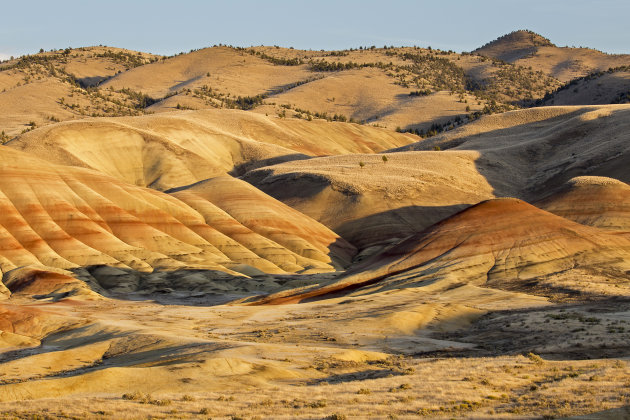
(273, 233)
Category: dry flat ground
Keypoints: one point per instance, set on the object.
(165, 257)
(384, 355)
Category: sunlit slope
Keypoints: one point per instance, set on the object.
(43, 88)
(595, 201)
(171, 150)
(223, 68)
(224, 200)
(65, 218)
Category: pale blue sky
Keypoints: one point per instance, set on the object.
(168, 27)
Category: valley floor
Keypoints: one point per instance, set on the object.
(468, 352)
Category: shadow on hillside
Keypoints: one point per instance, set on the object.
(371, 233)
(243, 168)
(190, 287)
(531, 160)
(301, 185)
(570, 331)
(362, 375)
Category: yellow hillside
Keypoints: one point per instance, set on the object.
(171, 150)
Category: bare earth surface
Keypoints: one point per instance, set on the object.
(164, 254)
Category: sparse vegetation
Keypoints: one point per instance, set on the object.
(471, 352)
(145, 399)
(535, 358)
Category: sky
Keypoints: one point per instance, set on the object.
(169, 27)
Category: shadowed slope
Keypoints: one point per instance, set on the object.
(609, 87)
(540, 149)
(381, 201)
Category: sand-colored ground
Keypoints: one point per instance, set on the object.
(377, 355)
(223, 263)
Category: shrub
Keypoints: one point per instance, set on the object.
(535, 358)
(318, 404)
(160, 403)
(135, 396)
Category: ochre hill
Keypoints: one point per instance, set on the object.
(593, 201)
(66, 218)
(226, 69)
(602, 87)
(501, 243)
(257, 212)
(44, 88)
(515, 45)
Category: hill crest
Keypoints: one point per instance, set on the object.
(514, 45)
